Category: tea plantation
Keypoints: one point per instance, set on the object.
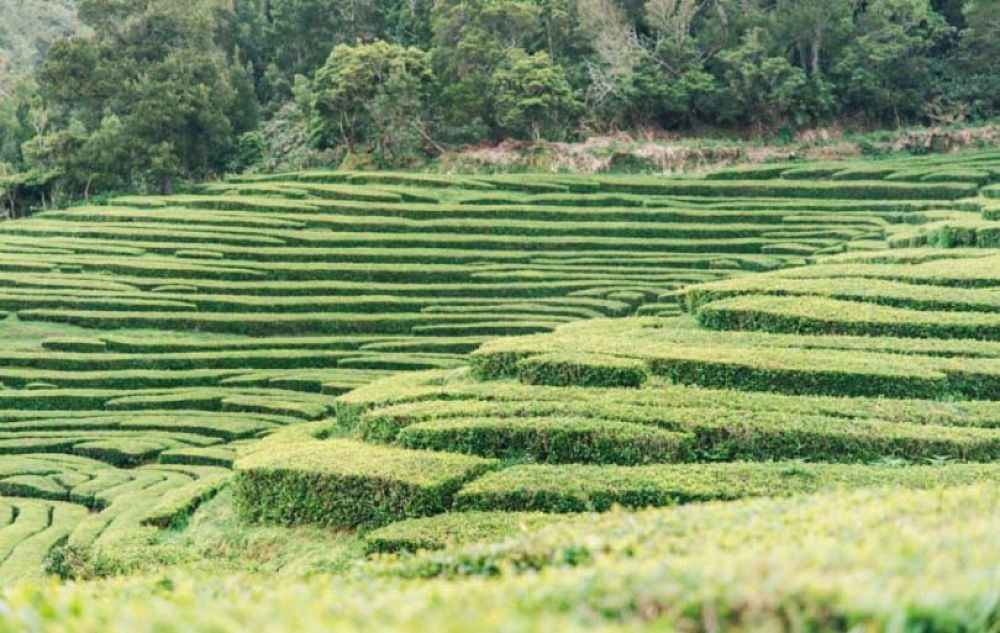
(801, 360)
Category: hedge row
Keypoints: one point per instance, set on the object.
(178, 504)
(227, 427)
(883, 292)
(552, 440)
(191, 361)
(344, 484)
(815, 315)
(244, 267)
(756, 427)
(199, 456)
(554, 207)
(455, 528)
(35, 528)
(284, 324)
(585, 488)
(562, 370)
(979, 271)
(792, 189)
(640, 225)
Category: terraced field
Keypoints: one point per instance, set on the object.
(150, 343)
(864, 366)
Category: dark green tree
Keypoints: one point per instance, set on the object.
(533, 98)
(887, 69)
(371, 97)
(153, 66)
(472, 39)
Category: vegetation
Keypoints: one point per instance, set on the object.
(811, 558)
(285, 374)
(143, 96)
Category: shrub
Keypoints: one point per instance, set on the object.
(344, 484)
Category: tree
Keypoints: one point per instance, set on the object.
(810, 28)
(617, 56)
(532, 96)
(178, 124)
(887, 70)
(27, 30)
(472, 38)
(764, 88)
(152, 69)
(983, 32)
(371, 96)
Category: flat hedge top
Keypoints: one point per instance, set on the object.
(348, 458)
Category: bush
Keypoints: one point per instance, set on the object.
(563, 370)
(347, 485)
(548, 440)
(829, 316)
(455, 528)
(599, 488)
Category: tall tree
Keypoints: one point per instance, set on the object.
(154, 67)
(472, 39)
(372, 95)
(887, 69)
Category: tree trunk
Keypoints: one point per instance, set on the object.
(167, 186)
(817, 44)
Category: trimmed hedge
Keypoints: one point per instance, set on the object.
(456, 528)
(348, 485)
(882, 292)
(806, 372)
(599, 488)
(548, 440)
(243, 313)
(283, 324)
(563, 370)
(815, 315)
(875, 190)
(175, 506)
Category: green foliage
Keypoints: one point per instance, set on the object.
(581, 370)
(887, 69)
(139, 96)
(371, 97)
(157, 341)
(348, 485)
(600, 488)
(533, 98)
(547, 440)
(26, 32)
(914, 559)
(472, 40)
(762, 86)
(831, 316)
(455, 528)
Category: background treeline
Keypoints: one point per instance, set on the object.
(149, 92)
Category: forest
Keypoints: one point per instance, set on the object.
(102, 96)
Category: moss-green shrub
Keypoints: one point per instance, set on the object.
(347, 485)
(598, 488)
(563, 370)
(548, 440)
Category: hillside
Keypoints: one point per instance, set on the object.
(157, 95)
(307, 365)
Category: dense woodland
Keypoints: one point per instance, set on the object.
(143, 94)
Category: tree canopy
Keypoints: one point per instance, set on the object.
(137, 94)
